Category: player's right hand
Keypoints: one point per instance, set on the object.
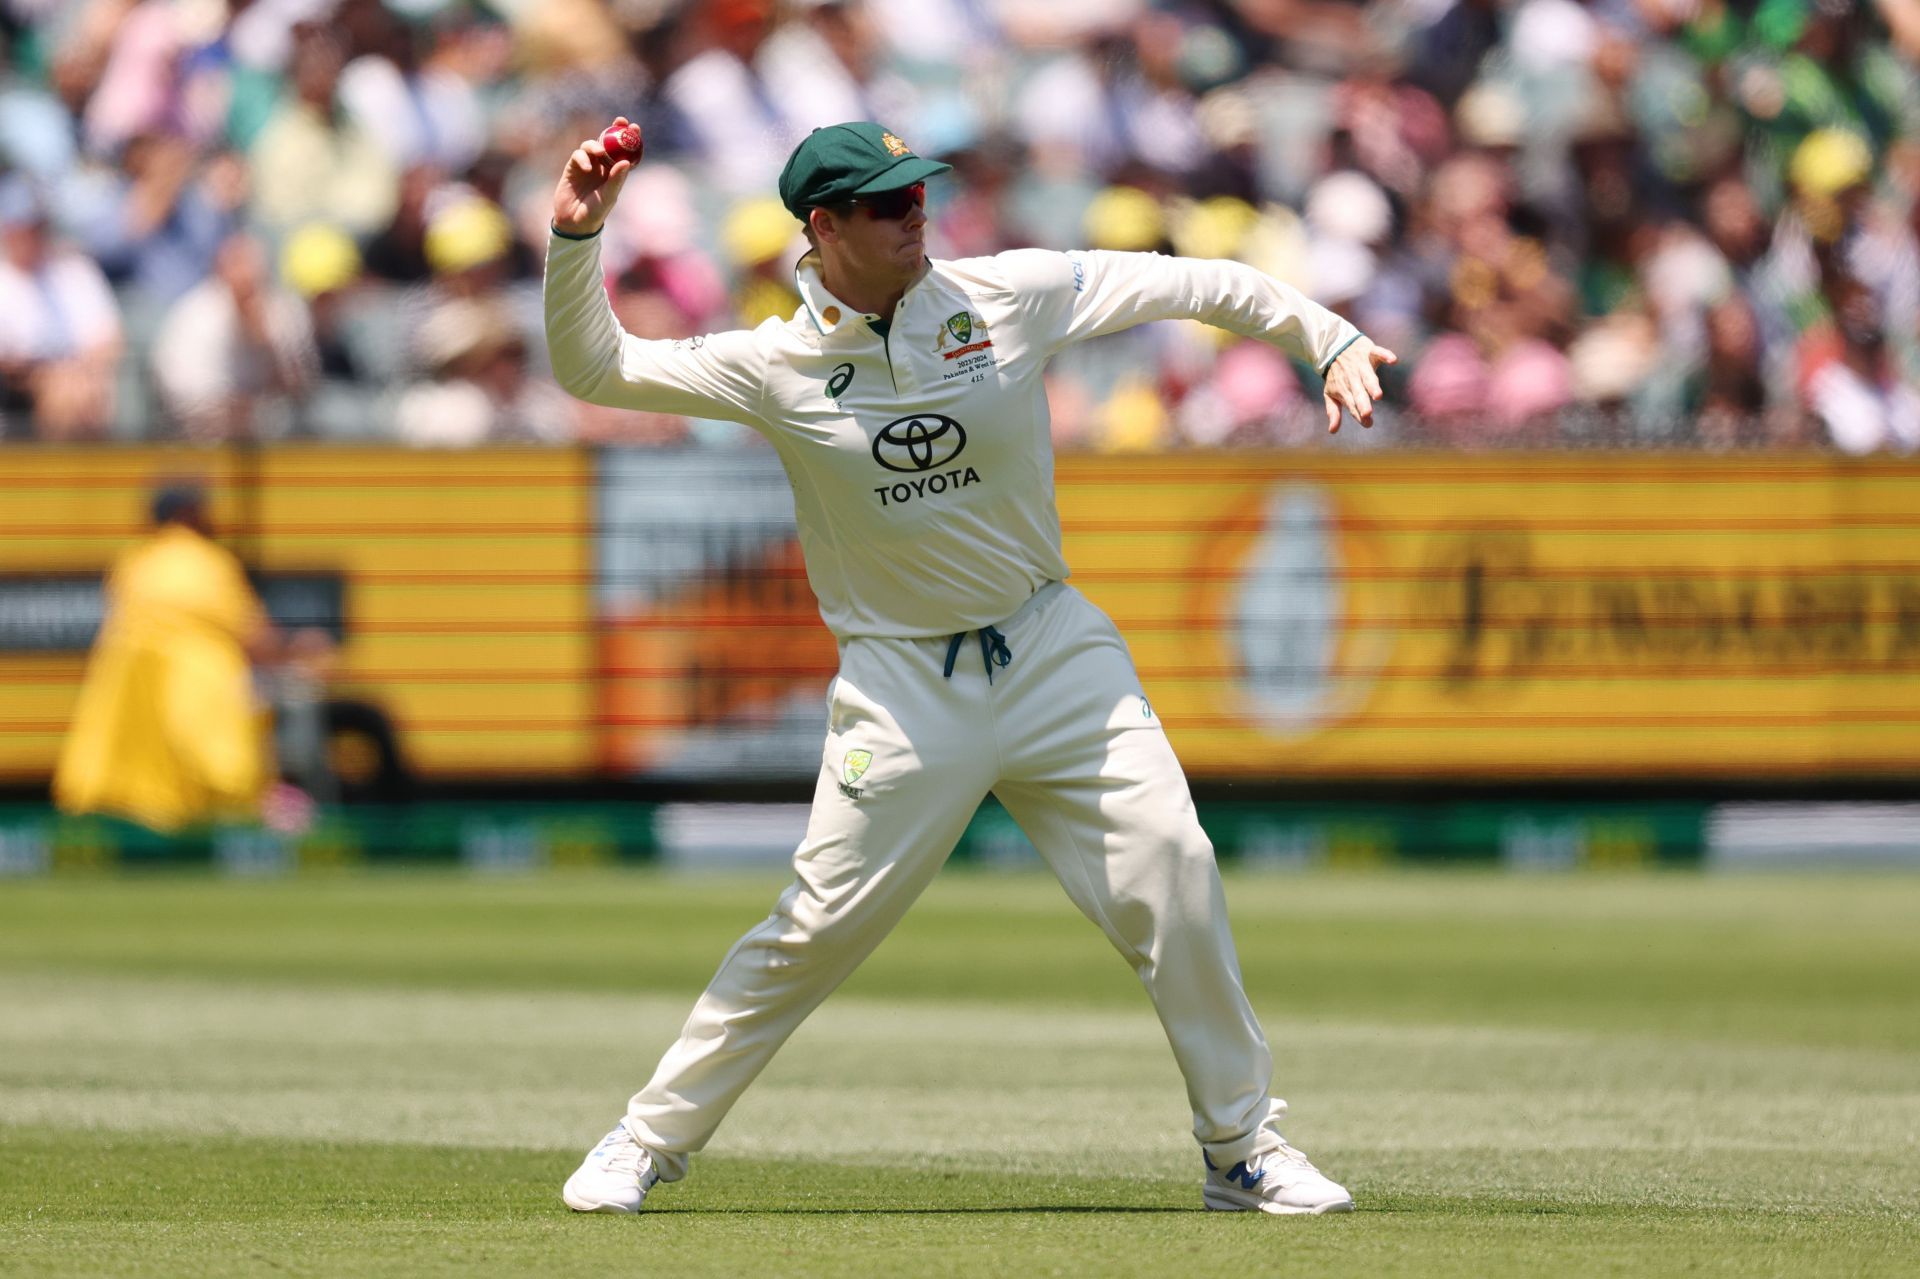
(1353, 384)
(588, 187)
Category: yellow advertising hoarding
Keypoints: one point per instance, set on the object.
(1396, 615)
(1527, 616)
(466, 584)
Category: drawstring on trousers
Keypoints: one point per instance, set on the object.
(993, 651)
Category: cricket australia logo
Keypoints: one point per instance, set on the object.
(963, 331)
(972, 347)
(852, 769)
(919, 446)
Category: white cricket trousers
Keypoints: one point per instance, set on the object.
(1066, 740)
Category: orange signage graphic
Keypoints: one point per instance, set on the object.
(1538, 617)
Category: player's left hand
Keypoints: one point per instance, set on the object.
(1352, 383)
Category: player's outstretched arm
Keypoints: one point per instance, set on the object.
(593, 358)
(1352, 383)
(1075, 296)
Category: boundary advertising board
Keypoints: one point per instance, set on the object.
(1514, 616)
(566, 615)
(457, 586)
(1355, 616)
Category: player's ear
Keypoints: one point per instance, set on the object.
(825, 226)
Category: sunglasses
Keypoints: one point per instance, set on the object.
(891, 206)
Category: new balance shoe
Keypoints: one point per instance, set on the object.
(614, 1177)
(1280, 1181)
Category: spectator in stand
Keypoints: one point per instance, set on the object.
(1733, 400)
(411, 87)
(1563, 185)
(759, 240)
(1850, 380)
(735, 120)
(1745, 239)
(60, 335)
(157, 78)
(830, 58)
(399, 251)
(311, 163)
(236, 356)
(479, 391)
(1252, 398)
(160, 235)
(468, 243)
(322, 265)
(1447, 50)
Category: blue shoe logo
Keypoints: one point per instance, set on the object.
(1247, 1180)
(1239, 1173)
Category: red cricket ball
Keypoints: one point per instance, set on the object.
(622, 142)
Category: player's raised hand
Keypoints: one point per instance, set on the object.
(593, 177)
(1352, 383)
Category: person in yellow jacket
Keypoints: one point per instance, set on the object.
(166, 732)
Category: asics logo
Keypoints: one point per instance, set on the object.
(922, 442)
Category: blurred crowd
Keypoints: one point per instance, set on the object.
(1657, 223)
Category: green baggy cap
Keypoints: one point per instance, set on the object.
(842, 161)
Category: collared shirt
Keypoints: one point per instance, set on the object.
(921, 461)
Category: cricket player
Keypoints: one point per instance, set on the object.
(905, 399)
(165, 732)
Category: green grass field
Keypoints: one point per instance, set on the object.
(391, 1075)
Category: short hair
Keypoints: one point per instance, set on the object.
(178, 502)
(841, 210)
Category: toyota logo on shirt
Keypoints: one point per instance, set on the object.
(919, 443)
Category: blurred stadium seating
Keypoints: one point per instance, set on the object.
(1643, 223)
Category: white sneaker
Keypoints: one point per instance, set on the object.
(614, 1177)
(1280, 1181)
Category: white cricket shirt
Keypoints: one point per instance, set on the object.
(921, 462)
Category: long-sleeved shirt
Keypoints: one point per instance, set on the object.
(919, 452)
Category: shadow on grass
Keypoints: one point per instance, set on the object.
(882, 1210)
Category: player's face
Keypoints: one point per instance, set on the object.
(886, 230)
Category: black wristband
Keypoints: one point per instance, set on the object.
(1323, 368)
(568, 235)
